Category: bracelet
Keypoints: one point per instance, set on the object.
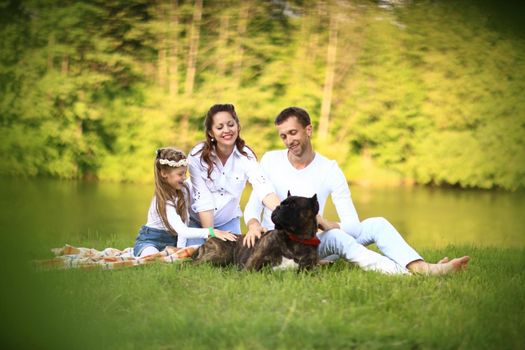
(211, 231)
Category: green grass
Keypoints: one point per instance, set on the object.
(339, 307)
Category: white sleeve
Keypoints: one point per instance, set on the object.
(254, 206)
(202, 197)
(343, 200)
(260, 183)
(183, 231)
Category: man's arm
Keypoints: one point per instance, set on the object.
(325, 225)
(261, 186)
(253, 209)
(342, 200)
(252, 218)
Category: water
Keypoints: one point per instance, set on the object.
(43, 213)
(434, 217)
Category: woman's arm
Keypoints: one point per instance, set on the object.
(206, 218)
(202, 200)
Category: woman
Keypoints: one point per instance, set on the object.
(219, 168)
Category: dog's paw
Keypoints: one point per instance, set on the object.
(286, 264)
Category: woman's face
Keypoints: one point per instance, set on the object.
(224, 129)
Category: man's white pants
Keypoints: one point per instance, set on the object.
(349, 244)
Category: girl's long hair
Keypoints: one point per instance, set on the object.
(164, 192)
(210, 144)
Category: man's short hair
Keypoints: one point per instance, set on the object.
(301, 115)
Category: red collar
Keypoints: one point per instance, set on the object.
(312, 241)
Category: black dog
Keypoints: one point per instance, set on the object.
(292, 239)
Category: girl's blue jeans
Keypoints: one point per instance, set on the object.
(148, 236)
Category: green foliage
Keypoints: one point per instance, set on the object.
(427, 91)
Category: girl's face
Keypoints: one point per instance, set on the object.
(224, 129)
(175, 177)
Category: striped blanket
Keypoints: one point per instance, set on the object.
(69, 257)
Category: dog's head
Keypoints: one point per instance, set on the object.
(297, 215)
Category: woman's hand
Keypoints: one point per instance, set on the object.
(225, 235)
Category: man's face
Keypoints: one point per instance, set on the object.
(295, 136)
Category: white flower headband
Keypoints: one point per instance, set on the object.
(172, 163)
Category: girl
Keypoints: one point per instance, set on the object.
(219, 168)
(168, 212)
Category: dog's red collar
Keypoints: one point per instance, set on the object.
(312, 241)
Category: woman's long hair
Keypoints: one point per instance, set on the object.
(210, 144)
(164, 192)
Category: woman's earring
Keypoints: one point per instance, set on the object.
(212, 139)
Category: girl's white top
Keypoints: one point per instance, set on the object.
(183, 231)
(222, 191)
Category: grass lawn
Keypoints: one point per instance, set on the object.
(338, 307)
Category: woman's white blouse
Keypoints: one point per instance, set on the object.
(222, 191)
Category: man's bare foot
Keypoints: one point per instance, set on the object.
(443, 267)
(444, 260)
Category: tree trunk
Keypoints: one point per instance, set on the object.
(161, 57)
(324, 120)
(305, 55)
(173, 71)
(50, 51)
(241, 31)
(161, 65)
(65, 65)
(222, 46)
(316, 17)
(194, 47)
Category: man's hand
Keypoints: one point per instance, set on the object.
(254, 232)
(325, 225)
(320, 223)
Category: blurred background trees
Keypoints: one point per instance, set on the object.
(416, 91)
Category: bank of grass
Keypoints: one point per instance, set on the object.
(340, 307)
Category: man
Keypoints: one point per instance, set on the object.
(303, 172)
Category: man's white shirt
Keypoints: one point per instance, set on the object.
(322, 177)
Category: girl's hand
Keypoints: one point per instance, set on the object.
(225, 235)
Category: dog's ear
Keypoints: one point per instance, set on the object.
(288, 195)
(315, 203)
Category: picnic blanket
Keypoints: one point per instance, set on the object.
(70, 257)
